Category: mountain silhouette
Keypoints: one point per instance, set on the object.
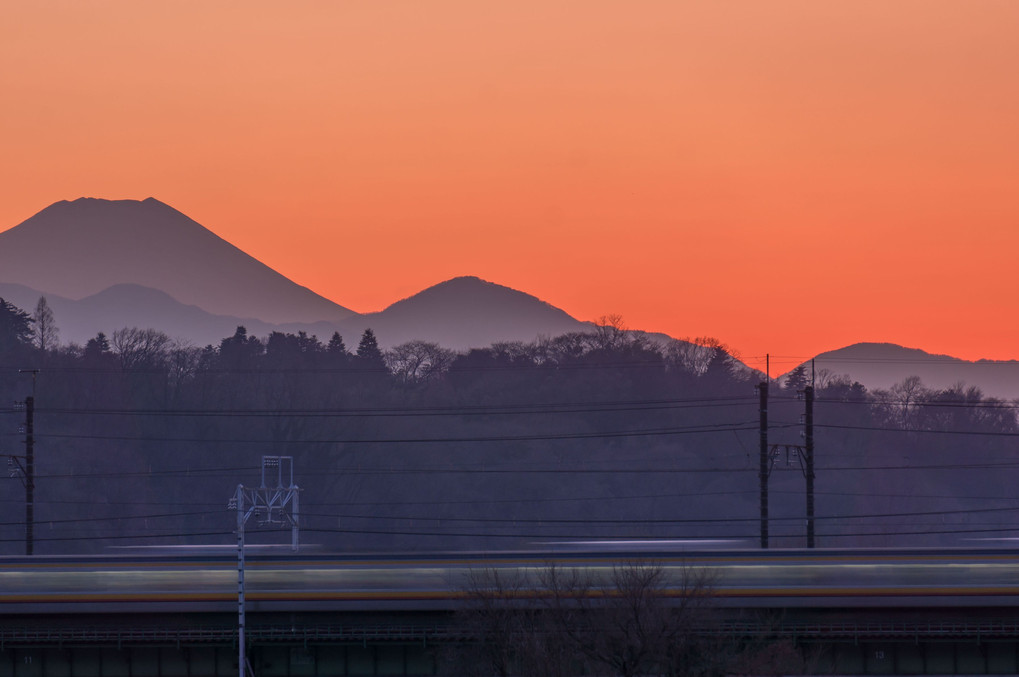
(130, 305)
(80, 248)
(882, 365)
(464, 312)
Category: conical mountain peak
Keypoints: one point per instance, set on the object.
(78, 248)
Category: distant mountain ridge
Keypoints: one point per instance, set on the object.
(882, 365)
(108, 264)
(81, 248)
(466, 312)
(130, 305)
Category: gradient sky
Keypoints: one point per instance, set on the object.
(787, 176)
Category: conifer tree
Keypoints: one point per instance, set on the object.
(368, 352)
(15, 327)
(336, 347)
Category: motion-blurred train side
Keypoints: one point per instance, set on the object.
(275, 582)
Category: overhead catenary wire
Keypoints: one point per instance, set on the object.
(650, 432)
(593, 406)
(621, 406)
(519, 520)
(545, 408)
(489, 500)
(653, 521)
(517, 535)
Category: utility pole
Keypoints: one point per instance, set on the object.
(30, 464)
(242, 517)
(26, 470)
(808, 471)
(29, 475)
(271, 505)
(804, 454)
(765, 461)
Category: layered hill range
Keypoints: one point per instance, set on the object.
(108, 264)
(882, 365)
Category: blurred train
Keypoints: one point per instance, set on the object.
(322, 582)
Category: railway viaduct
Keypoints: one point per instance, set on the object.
(858, 641)
(852, 613)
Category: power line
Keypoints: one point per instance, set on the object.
(458, 410)
(1008, 528)
(601, 498)
(112, 537)
(646, 521)
(588, 521)
(922, 431)
(513, 470)
(521, 409)
(83, 520)
(651, 432)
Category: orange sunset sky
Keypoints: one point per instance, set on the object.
(787, 176)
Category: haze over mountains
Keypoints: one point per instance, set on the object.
(108, 264)
(105, 264)
(882, 365)
(465, 312)
(80, 248)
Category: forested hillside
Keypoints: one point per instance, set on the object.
(607, 434)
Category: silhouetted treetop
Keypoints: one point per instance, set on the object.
(797, 379)
(45, 334)
(368, 352)
(15, 327)
(97, 352)
(336, 346)
(239, 351)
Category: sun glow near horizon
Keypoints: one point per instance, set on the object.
(788, 177)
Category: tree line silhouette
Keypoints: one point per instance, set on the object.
(140, 439)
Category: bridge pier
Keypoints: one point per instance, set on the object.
(411, 660)
(922, 657)
(414, 660)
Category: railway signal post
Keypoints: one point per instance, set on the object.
(272, 506)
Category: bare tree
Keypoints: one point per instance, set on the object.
(639, 618)
(824, 378)
(695, 355)
(141, 348)
(506, 631)
(565, 348)
(418, 361)
(637, 622)
(902, 404)
(609, 332)
(182, 362)
(45, 332)
(514, 351)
